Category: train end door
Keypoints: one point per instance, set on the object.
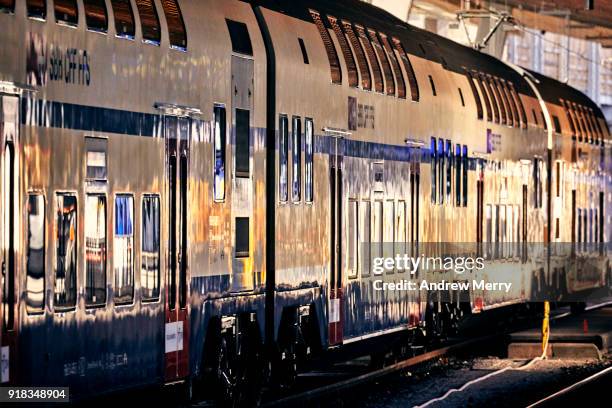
(336, 299)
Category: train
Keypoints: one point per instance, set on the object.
(193, 192)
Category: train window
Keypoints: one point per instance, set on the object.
(492, 98)
(384, 61)
(433, 85)
(464, 168)
(582, 132)
(149, 248)
(449, 171)
(66, 251)
(330, 48)
(35, 254)
(415, 188)
(558, 178)
(579, 225)
(489, 230)
(239, 35)
(399, 76)
(589, 114)
(219, 152)
(149, 21)
(124, 18)
(505, 102)
(96, 16)
(388, 230)
(364, 237)
(176, 26)
(458, 173)
(556, 123)
(7, 6)
(590, 129)
(585, 226)
(123, 248)
(242, 237)
(296, 159)
(485, 96)
(283, 158)
(400, 246)
(243, 142)
(362, 63)
(461, 97)
(37, 8)
(349, 59)
(66, 11)
(95, 249)
(96, 159)
(412, 81)
(309, 159)
(442, 166)
(434, 169)
(597, 125)
(369, 52)
(377, 230)
(477, 101)
(537, 183)
(304, 52)
(353, 239)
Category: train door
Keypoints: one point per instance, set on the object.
(176, 132)
(9, 126)
(336, 303)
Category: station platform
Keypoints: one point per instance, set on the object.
(586, 335)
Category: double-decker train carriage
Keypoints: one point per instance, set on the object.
(196, 190)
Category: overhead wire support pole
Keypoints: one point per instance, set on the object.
(501, 18)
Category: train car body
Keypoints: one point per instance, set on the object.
(198, 188)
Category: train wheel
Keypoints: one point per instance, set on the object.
(225, 374)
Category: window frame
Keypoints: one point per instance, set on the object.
(88, 27)
(156, 196)
(132, 300)
(283, 149)
(30, 311)
(296, 154)
(223, 147)
(181, 26)
(88, 304)
(126, 36)
(64, 21)
(38, 14)
(144, 35)
(75, 194)
(309, 161)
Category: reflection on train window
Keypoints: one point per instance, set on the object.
(7, 6)
(458, 166)
(384, 61)
(37, 8)
(149, 253)
(449, 171)
(414, 85)
(521, 107)
(388, 230)
(283, 158)
(400, 245)
(124, 18)
(485, 96)
(330, 48)
(66, 251)
(353, 238)
(441, 164)
(364, 237)
(66, 11)
(464, 168)
(149, 22)
(377, 230)
(35, 254)
(296, 157)
(308, 160)
(219, 152)
(239, 35)
(96, 16)
(470, 79)
(489, 229)
(176, 27)
(243, 139)
(434, 170)
(95, 249)
(123, 248)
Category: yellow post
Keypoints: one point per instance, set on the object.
(545, 328)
